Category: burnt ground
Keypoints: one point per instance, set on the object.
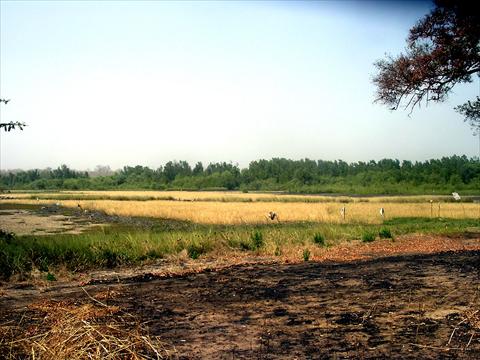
(407, 306)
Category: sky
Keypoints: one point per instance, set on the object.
(142, 83)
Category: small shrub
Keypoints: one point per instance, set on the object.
(368, 237)
(319, 239)
(385, 233)
(51, 277)
(111, 259)
(195, 250)
(306, 255)
(257, 240)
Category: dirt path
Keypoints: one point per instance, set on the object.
(409, 306)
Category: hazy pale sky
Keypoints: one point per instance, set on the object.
(127, 83)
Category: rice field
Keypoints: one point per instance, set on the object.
(193, 207)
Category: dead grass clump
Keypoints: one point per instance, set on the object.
(466, 330)
(67, 330)
(472, 318)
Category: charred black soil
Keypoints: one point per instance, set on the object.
(416, 306)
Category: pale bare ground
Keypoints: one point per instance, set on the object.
(212, 212)
(24, 222)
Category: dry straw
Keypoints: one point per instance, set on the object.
(65, 330)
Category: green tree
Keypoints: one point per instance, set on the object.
(198, 169)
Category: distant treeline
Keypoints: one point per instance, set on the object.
(455, 173)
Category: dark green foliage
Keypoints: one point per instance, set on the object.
(6, 264)
(306, 255)
(13, 260)
(51, 277)
(257, 240)
(385, 233)
(254, 243)
(368, 237)
(387, 176)
(111, 258)
(8, 237)
(319, 239)
(194, 250)
(431, 225)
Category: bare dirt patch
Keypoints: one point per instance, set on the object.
(26, 222)
(25, 219)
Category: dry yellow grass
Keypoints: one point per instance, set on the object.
(67, 330)
(227, 196)
(255, 212)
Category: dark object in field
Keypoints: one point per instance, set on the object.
(272, 215)
(7, 236)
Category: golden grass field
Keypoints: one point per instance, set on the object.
(225, 196)
(251, 196)
(358, 210)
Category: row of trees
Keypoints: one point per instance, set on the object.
(278, 174)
